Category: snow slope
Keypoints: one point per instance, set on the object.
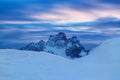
(104, 60)
(107, 52)
(103, 63)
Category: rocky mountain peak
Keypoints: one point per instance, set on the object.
(61, 36)
(58, 44)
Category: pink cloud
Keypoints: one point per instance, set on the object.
(61, 15)
(64, 15)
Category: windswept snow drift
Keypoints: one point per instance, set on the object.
(103, 63)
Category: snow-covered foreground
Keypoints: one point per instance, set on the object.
(103, 63)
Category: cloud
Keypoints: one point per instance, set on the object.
(67, 14)
(106, 13)
(74, 28)
(64, 15)
(58, 13)
(116, 2)
(24, 29)
(113, 28)
(22, 22)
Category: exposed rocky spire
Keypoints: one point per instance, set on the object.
(58, 40)
(58, 44)
(74, 47)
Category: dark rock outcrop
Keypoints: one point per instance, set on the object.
(35, 46)
(74, 47)
(59, 44)
(58, 41)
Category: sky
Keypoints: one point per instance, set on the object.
(24, 21)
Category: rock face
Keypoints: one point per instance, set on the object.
(35, 46)
(58, 44)
(58, 40)
(74, 47)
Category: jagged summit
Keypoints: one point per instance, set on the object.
(61, 36)
(58, 40)
(59, 44)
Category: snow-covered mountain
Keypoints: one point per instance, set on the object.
(103, 63)
(59, 44)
